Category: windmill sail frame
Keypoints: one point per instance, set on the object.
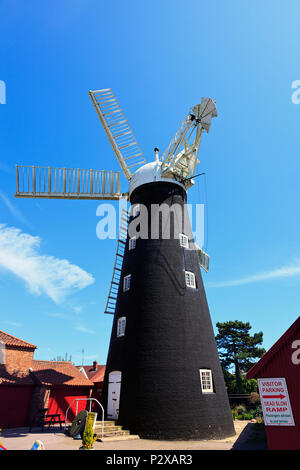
(67, 183)
(118, 131)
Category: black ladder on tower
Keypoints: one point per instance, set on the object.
(116, 277)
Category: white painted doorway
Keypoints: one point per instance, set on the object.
(114, 389)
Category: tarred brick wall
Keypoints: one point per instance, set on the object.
(18, 359)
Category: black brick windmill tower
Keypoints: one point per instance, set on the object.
(163, 377)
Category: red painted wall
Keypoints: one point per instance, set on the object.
(61, 398)
(14, 406)
(281, 365)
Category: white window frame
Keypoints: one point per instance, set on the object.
(183, 240)
(126, 283)
(190, 279)
(207, 385)
(132, 243)
(121, 326)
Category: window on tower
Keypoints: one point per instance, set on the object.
(126, 283)
(132, 243)
(183, 240)
(121, 325)
(190, 279)
(206, 381)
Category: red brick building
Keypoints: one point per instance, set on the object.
(27, 385)
(16, 385)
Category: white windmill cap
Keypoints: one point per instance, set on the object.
(149, 173)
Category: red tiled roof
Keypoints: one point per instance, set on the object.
(58, 373)
(267, 357)
(94, 375)
(10, 340)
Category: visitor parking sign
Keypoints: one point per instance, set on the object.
(275, 402)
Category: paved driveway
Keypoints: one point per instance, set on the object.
(21, 439)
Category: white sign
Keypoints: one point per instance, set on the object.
(275, 402)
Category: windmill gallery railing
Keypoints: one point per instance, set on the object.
(67, 183)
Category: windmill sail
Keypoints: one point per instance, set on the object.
(66, 183)
(181, 156)
(117, 130)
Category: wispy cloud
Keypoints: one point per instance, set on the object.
(20, 253)
(279, 273)
(84, 329)
(77, 309)
(13, 323)
(13, 209)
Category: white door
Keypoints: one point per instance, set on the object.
(114, 389)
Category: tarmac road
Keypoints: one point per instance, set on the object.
(21, 439)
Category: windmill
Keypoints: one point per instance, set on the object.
(163, 377)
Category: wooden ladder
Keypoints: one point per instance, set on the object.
(116, 277)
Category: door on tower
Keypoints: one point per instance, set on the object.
(114, 389)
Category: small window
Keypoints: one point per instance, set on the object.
(132, 243)
(184, 240)
(135, 210)
(206, 381)
(190, 279)
(126, 283)
(121, 325)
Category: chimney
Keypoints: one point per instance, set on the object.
(95, 365)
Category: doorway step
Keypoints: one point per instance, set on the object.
(113, 432)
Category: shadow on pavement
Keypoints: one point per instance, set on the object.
(22, 432)
(252, 437)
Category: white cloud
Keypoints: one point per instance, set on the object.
(43, 274)
(13, 209)
(279, 273)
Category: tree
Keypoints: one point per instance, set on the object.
(238, 348)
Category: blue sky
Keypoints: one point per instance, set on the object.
(159, 58)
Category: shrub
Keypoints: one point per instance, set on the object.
(259, 420)
(258, 412)
(254, 398)
(238, 412)
(88, 438)
(240, 409)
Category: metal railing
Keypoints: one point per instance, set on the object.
(67, 183)
(90, 407)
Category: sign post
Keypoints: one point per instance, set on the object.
(275, 402)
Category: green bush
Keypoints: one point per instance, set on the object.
(258, 412)
(240, 412)
(88, 438)
(240, 409)
(248, 385)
